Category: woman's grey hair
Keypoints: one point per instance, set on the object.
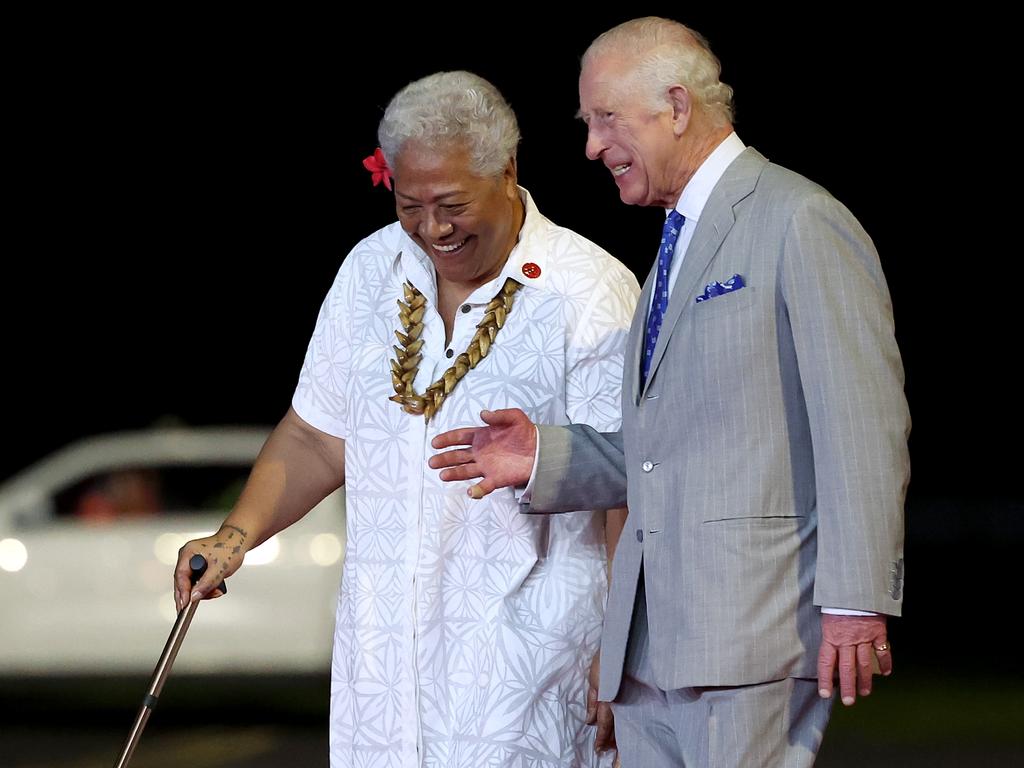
(664, 53)
(452, 109)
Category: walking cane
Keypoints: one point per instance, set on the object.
(163, 667)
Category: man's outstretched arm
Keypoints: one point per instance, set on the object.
(501, 454)
(578, 467)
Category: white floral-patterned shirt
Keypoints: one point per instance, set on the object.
(465, 629)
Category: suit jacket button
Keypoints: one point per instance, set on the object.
(640, 534)
(647, 466)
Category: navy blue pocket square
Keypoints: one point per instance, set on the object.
(716, 288)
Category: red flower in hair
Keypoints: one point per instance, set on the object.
(378, 167)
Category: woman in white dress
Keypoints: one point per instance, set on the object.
(465, 630)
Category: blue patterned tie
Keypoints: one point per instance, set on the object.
(669, 235)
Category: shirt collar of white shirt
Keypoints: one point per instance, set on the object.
(695, 196)
(528, 260)
(696, 193)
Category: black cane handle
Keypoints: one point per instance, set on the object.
(198, 565)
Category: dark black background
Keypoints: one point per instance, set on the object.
(185, 187)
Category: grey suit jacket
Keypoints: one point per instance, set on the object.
(765, 461)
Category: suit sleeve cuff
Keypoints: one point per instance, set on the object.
(847, 612)
(523, 495)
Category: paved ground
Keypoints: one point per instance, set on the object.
(917, 721)
(206, 747)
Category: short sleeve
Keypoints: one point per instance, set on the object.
(320, 397)
(594, 357)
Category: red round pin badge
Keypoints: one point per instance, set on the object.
(531, 270)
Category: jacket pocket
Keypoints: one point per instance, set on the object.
(727, 303)
(753, 518)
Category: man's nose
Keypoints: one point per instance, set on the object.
(595, 144)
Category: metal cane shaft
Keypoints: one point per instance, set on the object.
(133, 737)
(163, 666)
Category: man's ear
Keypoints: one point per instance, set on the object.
(682, 108)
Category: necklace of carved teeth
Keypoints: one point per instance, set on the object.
(407, 356)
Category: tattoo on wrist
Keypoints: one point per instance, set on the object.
(233, 529)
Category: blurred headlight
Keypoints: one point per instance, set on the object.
(325, 549)
(266, 552)
(13, 555)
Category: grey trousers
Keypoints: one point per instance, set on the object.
(777, 723)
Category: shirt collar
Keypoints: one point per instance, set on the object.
(528, 261)
(697, 191)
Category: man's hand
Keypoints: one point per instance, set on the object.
(501, 453)
(849, 642)
(599, 712)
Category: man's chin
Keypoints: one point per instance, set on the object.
(628, 193)
(630, 198)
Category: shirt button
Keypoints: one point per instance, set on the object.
(465, 309)
(640, 535)
(449, 352)
(647, 466)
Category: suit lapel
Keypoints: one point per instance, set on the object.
(716, 220)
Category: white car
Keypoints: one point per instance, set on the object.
(88, 541)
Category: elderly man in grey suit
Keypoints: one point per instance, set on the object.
(763, 453)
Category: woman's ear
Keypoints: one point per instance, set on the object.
(511, 179)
